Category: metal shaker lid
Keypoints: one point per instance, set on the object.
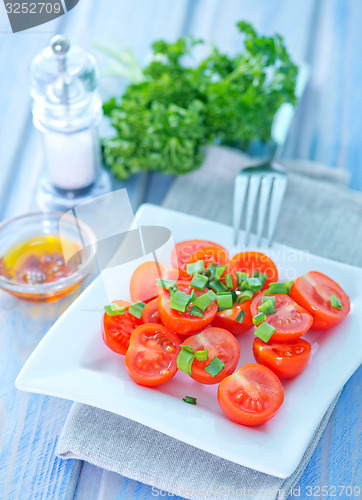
(64, 85)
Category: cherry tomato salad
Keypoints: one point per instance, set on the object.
(188, 318)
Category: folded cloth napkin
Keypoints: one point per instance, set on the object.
(319, 214)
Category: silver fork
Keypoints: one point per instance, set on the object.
(267, 182)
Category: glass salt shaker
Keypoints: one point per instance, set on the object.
(67, 110)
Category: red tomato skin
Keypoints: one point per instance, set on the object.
(138, 336)
(150, 313)
(324, 316)
(272, 355)
(226, 319)
(184, 323)
(220, 343)
(284, 333)
(184, 250)
(117, 330)
(271, 396)
(143, 284)
(254, 261)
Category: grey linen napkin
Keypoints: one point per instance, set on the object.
(320, 214)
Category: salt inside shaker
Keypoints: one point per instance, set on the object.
(67, 110)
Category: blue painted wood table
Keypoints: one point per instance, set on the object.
(326, 128)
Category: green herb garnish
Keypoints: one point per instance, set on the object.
(136, 309)
(173, 107)
(335, 302)
(185, 359)
(196, 267)
(114, 310)
(190, 400)
(265, 331)
(214, 367)
(201, 355)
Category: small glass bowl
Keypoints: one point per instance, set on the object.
(19, 229)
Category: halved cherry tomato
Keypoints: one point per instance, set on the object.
(249, 262)
(285, 359)
(143, 284)
(184, 323)
(220, 343)
(150, 313)
(208, 255)
(151, 358)
(184, 250)
(313, 291)
(290, 319)
(117, 330)
(251, 396)
(227, 319)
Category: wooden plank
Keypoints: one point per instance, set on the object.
(29, 423)
(326, 125)
(215, 21)
(336, 460)
(14, 93)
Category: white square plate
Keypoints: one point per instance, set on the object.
(72, 362)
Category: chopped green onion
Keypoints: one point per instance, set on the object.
(228, 281)
(211, 270)
(215, 367)
(190, 400)
(195, 311)
(336, 303)
(187, 348)
(184, 361)
(179, 301)
(136, 309)
(199, 281)
(241, 276)
(203, 301)
(201, 355)
(192, 297)
(245, 295)
(167, 284)
(261, 276)
(234, 295)
(265, 298)
(114, 310)
(217, 286)
(196, 267)
(224, 301)
(267, 307)
(265, 331)
(253, 284)
(278, 288)
(219, 272)
(240, 317)
(259, 318)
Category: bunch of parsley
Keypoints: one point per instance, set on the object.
(165, 117)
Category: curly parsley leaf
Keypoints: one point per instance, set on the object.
(163, 119)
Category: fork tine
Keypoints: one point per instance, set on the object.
(240, 190)
(266, 184)
(277, 196)
(254, 185)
